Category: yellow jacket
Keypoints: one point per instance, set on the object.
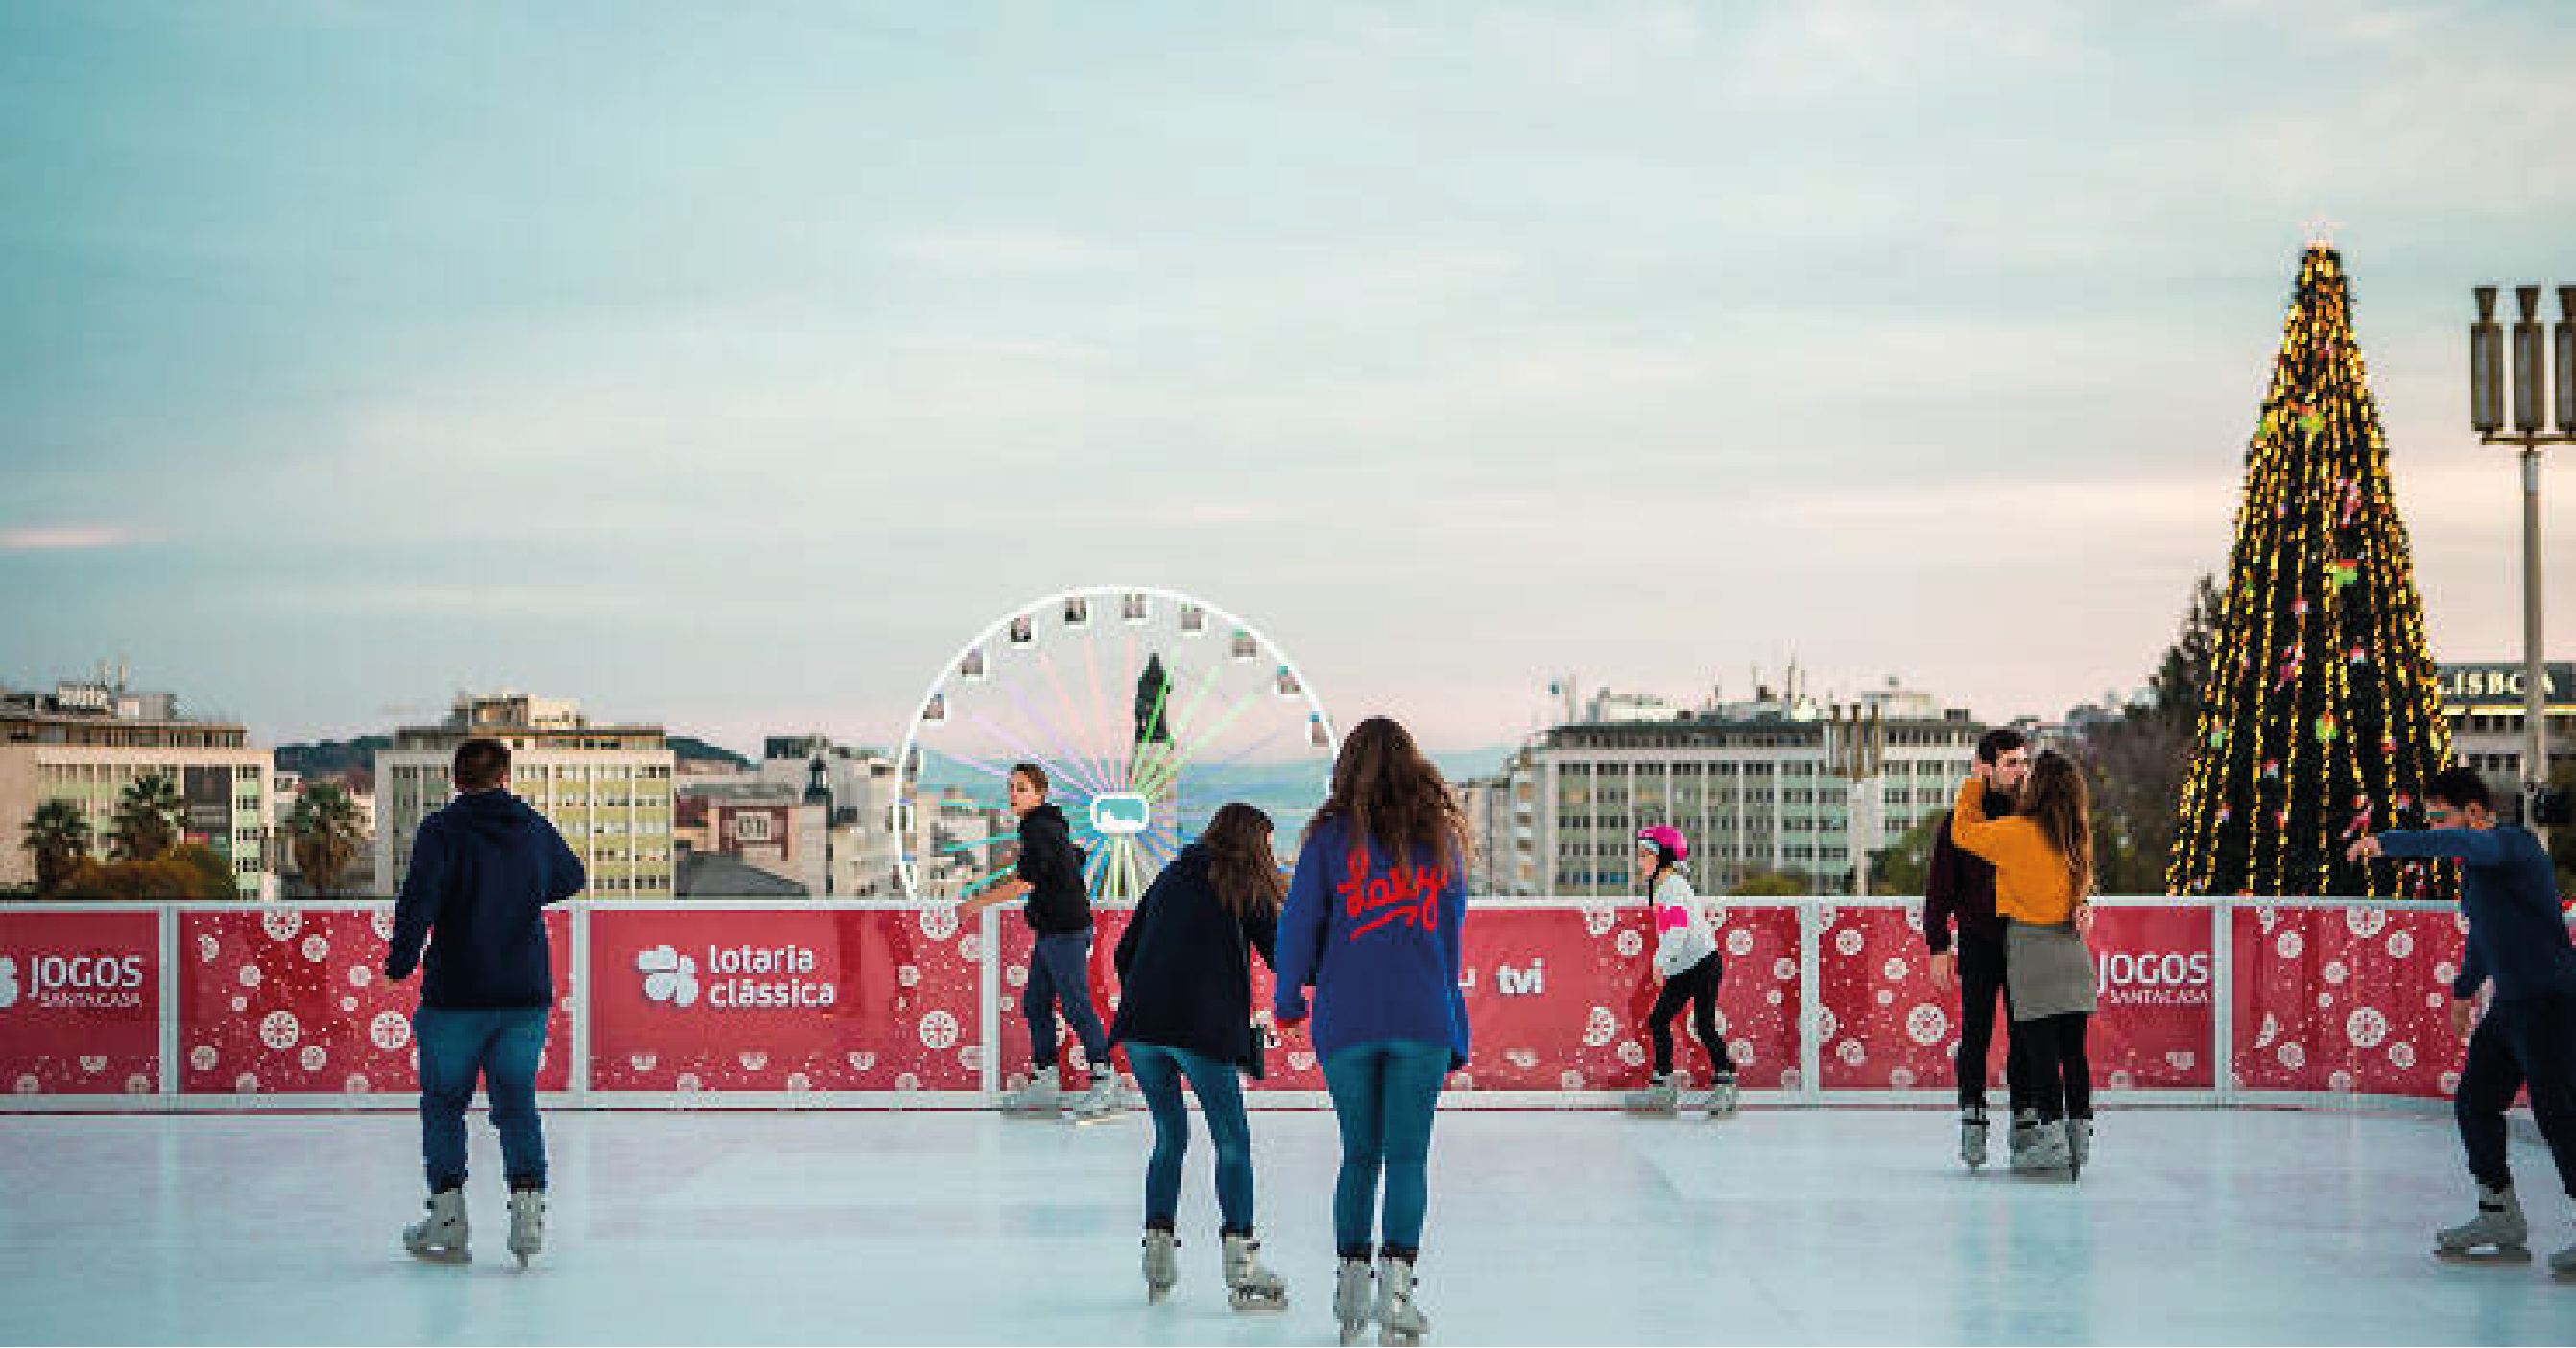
(2031, 883)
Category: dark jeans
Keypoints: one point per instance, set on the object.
(2063, 1088)
(500, 1046)
(1696, 986)
(2525, 1042)
(1159, 1069)
(1384, 1095)
(1060, 973)
(1981, 986)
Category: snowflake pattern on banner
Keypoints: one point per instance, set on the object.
(2346, 1000)
(312, 1025)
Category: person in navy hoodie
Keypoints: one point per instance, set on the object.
(1372, 924)
(483, 868)
(2518, 938)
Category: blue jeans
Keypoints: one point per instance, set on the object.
(1060, 972)
(1159, 1069)
(1384, 1095)
(500, 1046)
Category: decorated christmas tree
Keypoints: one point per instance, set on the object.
(2322, 719)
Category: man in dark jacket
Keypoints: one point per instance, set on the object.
(1961, 885)
(2527, 1039)
(482, 871)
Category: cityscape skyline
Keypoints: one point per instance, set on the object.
(367, 357)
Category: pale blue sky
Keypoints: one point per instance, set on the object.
(730, 365)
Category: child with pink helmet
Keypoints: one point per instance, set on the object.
(1687, 959)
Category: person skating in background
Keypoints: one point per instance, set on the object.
(1687, 960)
(2043, 860)
(1960, 888)
(1049, 876)
(483, 869)
(1372, 924)
(1185, 1011)
(2518, 942)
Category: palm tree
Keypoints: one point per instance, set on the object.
(146, 816)
(323, 834)
(59, 834)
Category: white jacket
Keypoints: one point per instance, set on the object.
(1683, 936)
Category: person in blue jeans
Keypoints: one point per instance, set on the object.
(1372, 924)
(2527, 1039)
(1185, 1011)
(482, 871)
(1049, 875)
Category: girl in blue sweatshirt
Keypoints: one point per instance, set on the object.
(1372, 924)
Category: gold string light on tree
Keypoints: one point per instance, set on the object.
(2322, 719)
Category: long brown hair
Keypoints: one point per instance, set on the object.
(1240, 862)
(2055, 799)
(1394, 797)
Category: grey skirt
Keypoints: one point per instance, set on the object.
(2048, 969)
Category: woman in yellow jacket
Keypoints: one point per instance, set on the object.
(2043, 860)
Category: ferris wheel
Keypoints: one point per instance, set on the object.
(1147, 710)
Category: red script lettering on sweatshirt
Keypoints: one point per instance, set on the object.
(1407, 894)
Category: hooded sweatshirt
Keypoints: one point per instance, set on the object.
(1377, 938)
(1185, 967)
(2517, 935)
(482, 871)
(1059, 903)
(1683, 936)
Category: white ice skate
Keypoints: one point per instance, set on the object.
(1162, 1263)
(2025, 1131)
(1972, 1138)
(1354, 1298)
(1663, 1095)
(1399, 1321)
(2563, 1263)
(1102, 1102)
(527, 1223)
(2079, 1146)
(2498, 1227)
(2048, 1149)
(1249, 1284)
(1722, 1099)
(1040, 1096)
(440, 1237)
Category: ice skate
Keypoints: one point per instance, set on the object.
(1252, 1286)
(2048, 1151)
(1040, 1096)
(527, 1223)
(1100, 1103)
(1663, 1095)
(440, 1237)
(2563, 1263)
(2498, 1228)
(2079, 1146)
(1972, 1138)
(1162, 1263)
(2025, 1130)
(1354, 1298)
(1399, 1321)
(1722, 1098)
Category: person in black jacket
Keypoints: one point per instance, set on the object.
(1185, 1010)
(1962, 885)
(482, 871)
(1049, 875)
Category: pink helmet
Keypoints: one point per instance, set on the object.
(1668, 838)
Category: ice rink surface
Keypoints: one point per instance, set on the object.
(1779, 1226)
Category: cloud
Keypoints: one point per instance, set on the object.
(1003, 249)
(65, 539)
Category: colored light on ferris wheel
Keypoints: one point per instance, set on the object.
(1121, 814)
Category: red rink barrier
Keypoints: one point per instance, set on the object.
(850, 1003)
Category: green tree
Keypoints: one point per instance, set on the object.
(322, 833)
(188, 871)
(146, 821)
(1904, 865)
(59, 836)
(1773, 884)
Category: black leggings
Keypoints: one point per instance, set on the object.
(1696, 985)
(2063, 1080)
(1981, 985)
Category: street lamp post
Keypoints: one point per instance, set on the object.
(2527, 427)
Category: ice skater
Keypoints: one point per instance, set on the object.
(483, 868)
(1961, 886)
(1049, 876)
(2518, 939)
(2043, 860)
(1185, 1011)
(1372, 924)
(1687, 960)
